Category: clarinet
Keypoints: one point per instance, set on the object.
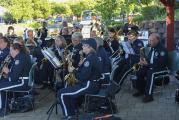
(5, 63)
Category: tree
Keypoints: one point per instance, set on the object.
(106, 9)
(82, 5)
(21, 9)
(61, 9)
(41, 9)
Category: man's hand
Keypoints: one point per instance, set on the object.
(5, 70)
(143, 62)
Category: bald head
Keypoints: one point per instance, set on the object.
(154, 39)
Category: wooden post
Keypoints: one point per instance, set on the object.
(169, 4)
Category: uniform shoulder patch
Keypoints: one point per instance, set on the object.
(156, 54)
(162, 53)
(17, 62)
(86, 64)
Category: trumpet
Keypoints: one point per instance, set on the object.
(137, 66)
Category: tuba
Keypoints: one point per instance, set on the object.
(137, 66)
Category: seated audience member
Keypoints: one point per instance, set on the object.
(155, 61)
(87, 75)
(13, 76)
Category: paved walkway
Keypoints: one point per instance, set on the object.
(162, 108)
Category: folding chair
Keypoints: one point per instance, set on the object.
(161, 76)
(29, 89)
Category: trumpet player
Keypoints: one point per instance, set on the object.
(4, 48)
(87, 74)
(155, 61)
(112, 44)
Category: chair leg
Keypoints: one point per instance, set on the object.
(6, 99)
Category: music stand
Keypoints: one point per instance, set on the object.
(56, 64)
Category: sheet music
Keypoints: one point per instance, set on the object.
(127, 48)
(51, 57)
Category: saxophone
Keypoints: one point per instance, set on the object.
(70, 77)
(5, 63)
(137, 66)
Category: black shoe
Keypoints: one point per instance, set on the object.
(147, 98)
(137, 94)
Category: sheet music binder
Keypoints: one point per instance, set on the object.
(51, 57)
(127, 48)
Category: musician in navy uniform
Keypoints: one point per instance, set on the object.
(87, 75)
(4, 48)
(112, 44)
(122, 68)
(156, 61)
(17, 75)
(104, 60)
(77, 47)
(132, 58)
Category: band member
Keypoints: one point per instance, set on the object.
(20, 68)
(126, 64)
(10, 33)
(112, 44)
(156, 60)
(76, 28)
(4, 48)
(66, 35)
(31, 41)
(87, 76)
(42, 34)
(77, 47)
(60, 44)
(104, 60)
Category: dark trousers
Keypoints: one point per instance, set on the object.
(13, 85)
(145, 80)
(68, 96)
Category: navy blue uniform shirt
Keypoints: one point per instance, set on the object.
(160, 59)
(90, 69)
(104, 60)
(136, 45)
(76, 55)
(20, 67)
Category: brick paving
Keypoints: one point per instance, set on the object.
(129, 108)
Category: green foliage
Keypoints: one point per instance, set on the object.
(61, 8)
(177, 14)
(106, 9)
(34, 25)
(8, 17)
(81, 5)
(21, 9)
(41, 9)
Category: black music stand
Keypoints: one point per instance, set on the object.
(57, 65)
